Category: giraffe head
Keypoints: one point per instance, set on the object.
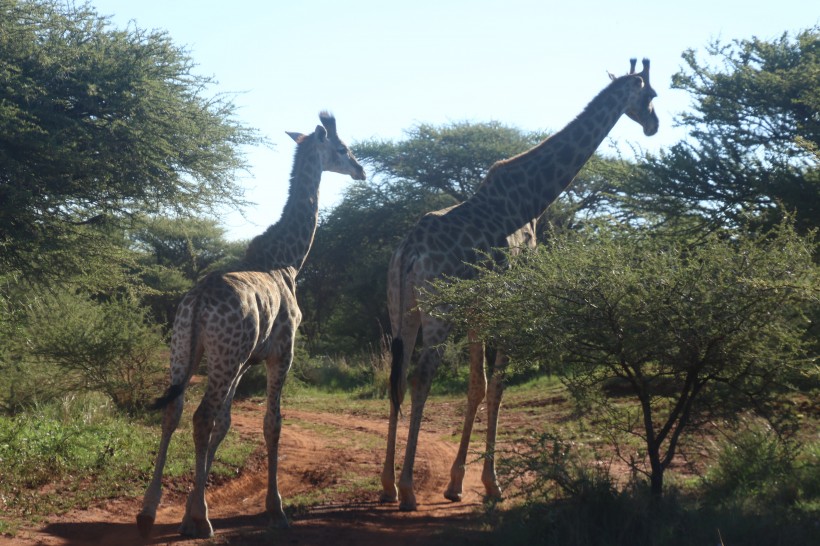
(640, 107)
(334, 154)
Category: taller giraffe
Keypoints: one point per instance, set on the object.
(241, 318)
(502, 213)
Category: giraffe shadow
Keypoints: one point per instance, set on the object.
(371, 523)
(126, 534)
(362, 523)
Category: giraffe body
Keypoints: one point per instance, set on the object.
(241, 318)
(502, 214)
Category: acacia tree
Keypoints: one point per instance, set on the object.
(343, 293)
(171, 255)
(694, 334)
(754, 145)
(451, 159)
(97, 124)
(98, 127)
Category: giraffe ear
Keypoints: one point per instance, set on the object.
(297, 137)
(321, 133)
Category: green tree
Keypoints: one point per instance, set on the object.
(343, 284)
(172, 254)
(694, 334)
(192, 246)
(97, 124)
(754, 146)
(451, 159)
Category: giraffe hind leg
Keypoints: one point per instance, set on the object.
(407, 335)
(210, 423)
(475, 394)
(420, 389)
(222, 423)
(195, 522)
(153, 495)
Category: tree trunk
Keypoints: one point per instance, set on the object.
(656, 474)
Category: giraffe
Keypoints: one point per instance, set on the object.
(502, 213)
(241, 318)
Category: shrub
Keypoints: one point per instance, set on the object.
(754, 469)
(106, 346)
(695, 332)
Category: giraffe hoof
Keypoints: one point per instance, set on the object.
(145, 522)
(196, 529)
(407, 499)
(494, 494)
(388, 498)
(279, 523)
(451, 496)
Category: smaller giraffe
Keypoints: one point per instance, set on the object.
(241, 318)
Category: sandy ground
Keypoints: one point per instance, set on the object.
(327, 456)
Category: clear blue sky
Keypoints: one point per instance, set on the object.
(382, 67)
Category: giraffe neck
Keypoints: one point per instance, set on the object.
(518, 190)
(287, 242)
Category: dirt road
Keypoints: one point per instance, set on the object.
(331, 462)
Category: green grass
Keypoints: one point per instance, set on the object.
(307, 398)
(78, 451)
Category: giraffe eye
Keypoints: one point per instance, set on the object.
(343, 151)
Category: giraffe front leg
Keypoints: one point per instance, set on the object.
(475, 394)
(277, 371)
(273, 500)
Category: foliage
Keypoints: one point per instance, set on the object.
(760, 491)
(173, 254)
(570, 501)
(77, 450)
(75, 343)
(127, 306)
(693, 332)
(755, 468)
(98, 124)
(754, 139)
(191, 246)
(342, 292)
(451, 159)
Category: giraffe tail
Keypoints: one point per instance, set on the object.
(176, 389)
(172, 393)
(397, 349)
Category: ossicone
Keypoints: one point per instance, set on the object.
(328, 121)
